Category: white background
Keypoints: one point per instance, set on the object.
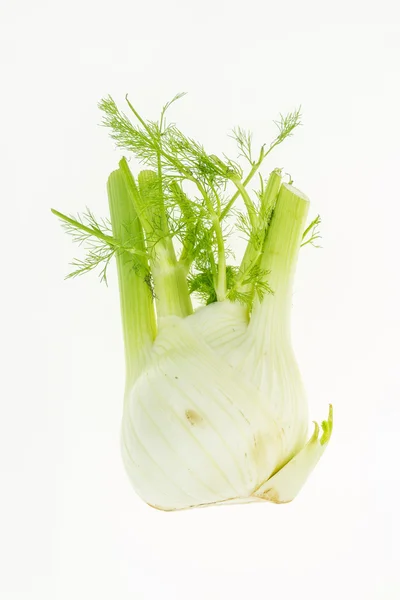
(72, 527)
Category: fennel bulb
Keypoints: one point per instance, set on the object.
(215, 410)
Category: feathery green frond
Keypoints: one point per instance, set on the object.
(166, 107)
(286, 125)
(312, 233)
(198, 224)
(244, 141)
(100, 245)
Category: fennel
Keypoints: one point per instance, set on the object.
(214, 410)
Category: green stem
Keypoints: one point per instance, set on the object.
(221, 275)
(137, 308)
(247, 180)
(108, 239)
(152, 205)
(279, 258)
(184, 204)
(169, 277)
(160, 191)
(263, 154)
(170, 285)
(247, 200)
(254, 247)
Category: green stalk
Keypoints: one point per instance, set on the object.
(255, 246)
(247, 180)
(247, 200)
(221, 274)
(169, 277)
(184, 204)
(220, 283)
(279, 258)
(137, 308)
